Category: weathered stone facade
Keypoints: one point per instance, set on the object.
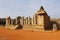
(40, 21)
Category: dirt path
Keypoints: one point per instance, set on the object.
(6, 34)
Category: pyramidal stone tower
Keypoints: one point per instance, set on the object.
(43, 20)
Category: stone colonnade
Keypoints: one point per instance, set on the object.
(22, 21)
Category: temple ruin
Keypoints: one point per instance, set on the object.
(40, 21)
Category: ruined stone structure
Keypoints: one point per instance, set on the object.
(8, 21)
(40, 21)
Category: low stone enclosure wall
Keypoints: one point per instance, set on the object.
(28, 27)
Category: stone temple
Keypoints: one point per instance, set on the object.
(39, 22)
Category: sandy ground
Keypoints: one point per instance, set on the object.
(6, 34)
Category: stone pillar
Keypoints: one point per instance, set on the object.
(32, 20)
(8, 21)
(28, 20)
(22, 21)
(12, 21)
(35, 19)
(54, 27)
(16, 21)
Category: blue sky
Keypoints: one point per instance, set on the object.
(14, 8)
